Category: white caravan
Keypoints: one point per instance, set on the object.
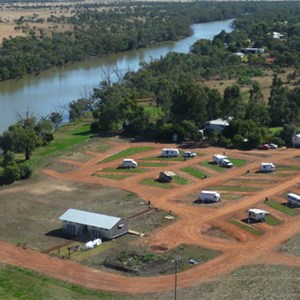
(293, 199)
(129, 163)
(170, 152)
(218, 158)
(209, 196)
(267, 167)
(257, 214)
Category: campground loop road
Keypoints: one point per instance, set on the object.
(243, 248)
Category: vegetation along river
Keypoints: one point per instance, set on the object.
(53, 89)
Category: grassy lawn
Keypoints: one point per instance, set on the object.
(194, 172)
(231, 196)
(159, 158)
(126, 153)
(246, 227)
(18, 283)
(155, 183)
(152, 164)
(238, 188)
(282, 208)
(180, 180)
(271, 220)
(212, 166)
(287, 168)
(112, 176)
(124, 170)
(238, 162)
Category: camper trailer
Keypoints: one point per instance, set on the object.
(209, 196)
(218, 158)
(129, 163)
(293, 199)
(267, 167)
(170, 152)
(257, 214)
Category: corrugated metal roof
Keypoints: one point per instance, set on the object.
(89, 218)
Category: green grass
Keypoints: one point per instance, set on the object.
(180, 180)
(246, 227)
(152, 164)
(238, 188)
(194, 172)
(154, 112)
(18, 283)
(275, 129)
(113, 176)
(282, 208)
(212, 166)
(126, 153)
(287, 168)
(238, 162)
(124, 170)
(231, 196)
(152, 182)
(159, 158)
(271, 220)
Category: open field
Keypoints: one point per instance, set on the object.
(55, 190)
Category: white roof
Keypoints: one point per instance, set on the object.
(220, 156)
(169, 173)
(89, 218)
(209, 192)
(266, 164)
(220, 122)
(258, 211)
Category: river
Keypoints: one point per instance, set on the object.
(53, 89)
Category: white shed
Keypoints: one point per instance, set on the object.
(79, 222)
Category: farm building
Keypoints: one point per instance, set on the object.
(166, 176)
(218, 125)
(78, 222)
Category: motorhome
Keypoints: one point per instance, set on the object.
(129, 163)
(217, 158)
(209, 196)
(257, 214)
(293, 199)
(170, 152)
(267, 167)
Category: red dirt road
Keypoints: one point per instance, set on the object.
(243, 249)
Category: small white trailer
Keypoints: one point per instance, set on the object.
(209, 196)
(218, 158)
(267, 167)
(257, 214)
(170, 152)
(129, 163)
(293, 199)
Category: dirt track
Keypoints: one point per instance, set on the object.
(243, 250)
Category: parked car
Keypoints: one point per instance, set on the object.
(189, 154)
(264, 147)
(273, 146)
(227, 163)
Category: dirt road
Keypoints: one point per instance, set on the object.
(243, 249)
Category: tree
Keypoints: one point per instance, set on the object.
(56, 119)
(19, 139)
(233, 105)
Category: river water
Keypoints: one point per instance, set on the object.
(53, 89)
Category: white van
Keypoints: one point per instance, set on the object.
(218, 158)
(226, 163)
(267, 167)
(293, 199)
(209, 196)
(170, 152)
(129, 163)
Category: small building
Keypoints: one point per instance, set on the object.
(79, 222)
(277, 35)
(253, 50)
(257, 214)
(218, 125)
(296, 140)
(166, 176)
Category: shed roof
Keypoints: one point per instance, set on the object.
(89, 218)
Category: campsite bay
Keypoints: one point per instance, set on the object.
(53, 89)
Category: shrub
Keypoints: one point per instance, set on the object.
(24, 172)
(10, 174)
